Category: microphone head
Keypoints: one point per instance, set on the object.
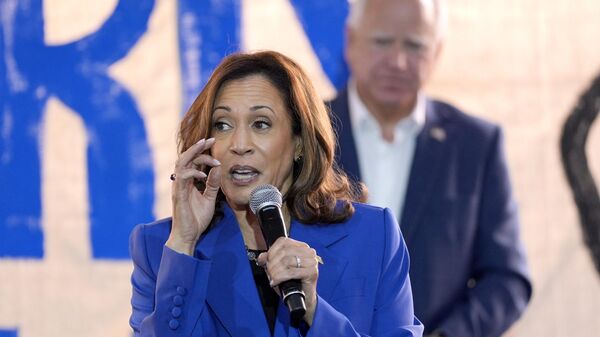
(264, 195)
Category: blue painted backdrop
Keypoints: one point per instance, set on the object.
(76, 73)
(120, 192)
(120, 188)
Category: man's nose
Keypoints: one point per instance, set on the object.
(398, 58)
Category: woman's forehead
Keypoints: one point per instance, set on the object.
(252, 89)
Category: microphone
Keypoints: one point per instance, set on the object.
(265, 202)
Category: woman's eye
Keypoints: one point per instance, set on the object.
(221, 126)
(261, 125)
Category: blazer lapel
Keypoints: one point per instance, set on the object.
(346, 155)
(321, 238)
(430, 151)
(231, 291)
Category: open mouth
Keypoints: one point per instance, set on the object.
(243, 174)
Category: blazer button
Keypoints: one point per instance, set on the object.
(173, 324)
(177, 300)
(176, 312)
(181, 290)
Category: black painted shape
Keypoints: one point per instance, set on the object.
(572, 145)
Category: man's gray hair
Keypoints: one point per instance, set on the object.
(357, 9)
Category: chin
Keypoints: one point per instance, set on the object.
(395, 97)
(239, 195)
(238, 201)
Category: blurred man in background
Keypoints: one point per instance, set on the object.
(442, 172)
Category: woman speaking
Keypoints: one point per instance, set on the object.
(209, 271)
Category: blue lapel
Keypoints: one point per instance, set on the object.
(430, 152)
(231, 291)
(321, 238)
(347, 157)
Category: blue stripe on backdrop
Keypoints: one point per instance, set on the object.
(9, 333)
(208, 30)
(324, 23)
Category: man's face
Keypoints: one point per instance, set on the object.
(391, 51)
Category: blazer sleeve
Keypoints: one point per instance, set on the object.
(165, 303)
(393, 313)
(500, 287)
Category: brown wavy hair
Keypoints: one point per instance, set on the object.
(320, 191)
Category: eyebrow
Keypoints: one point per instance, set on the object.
(253, 109)
(258, 107)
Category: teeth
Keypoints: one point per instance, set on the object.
(243, 174)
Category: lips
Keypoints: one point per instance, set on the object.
(243, 174)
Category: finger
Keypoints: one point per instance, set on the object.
(283, 265)
(188, 155)
(261, 260)
(307, 270)
(190, 173)
(205, 159)
(213, 183)
(279, 275)
(285, 246)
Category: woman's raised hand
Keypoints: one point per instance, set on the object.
(193, 210)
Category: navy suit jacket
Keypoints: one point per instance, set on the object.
(469, 273)
(363, 286)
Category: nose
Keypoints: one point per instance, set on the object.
(398, 58)
(241, 141)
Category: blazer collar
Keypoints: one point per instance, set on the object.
(346, 155)
(231, 291)
(430, 152)
(322, 238)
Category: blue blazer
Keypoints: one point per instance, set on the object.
(363, 286)
(469, 273)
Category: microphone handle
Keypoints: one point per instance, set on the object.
(293, 297)
(271, 224)
(272, 227)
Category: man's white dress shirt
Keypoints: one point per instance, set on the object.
(385, 167)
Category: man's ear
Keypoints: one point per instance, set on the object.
(438, 50)
(349, 39)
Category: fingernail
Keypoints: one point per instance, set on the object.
(211, 139)
(216, 162)
(201, 141)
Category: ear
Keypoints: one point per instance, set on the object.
(349, 40)
(297, 147)
(438, 50)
